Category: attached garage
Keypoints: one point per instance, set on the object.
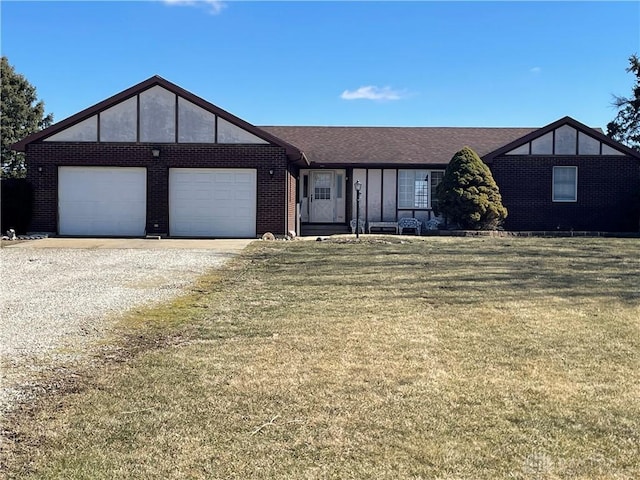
(212, 202)
(102, 201)
(157, 160)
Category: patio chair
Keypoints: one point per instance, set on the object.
(411, 223)
(361, 223)
(434, 223)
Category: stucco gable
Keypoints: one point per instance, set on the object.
(564, 137)
(156, 111)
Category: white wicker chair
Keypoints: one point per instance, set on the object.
(413, 223)
(434, 223)
(361, 223)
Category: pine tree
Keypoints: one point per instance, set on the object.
(21, 115)
(468, 196)
(625, 128)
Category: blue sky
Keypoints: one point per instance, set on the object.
(336, 63)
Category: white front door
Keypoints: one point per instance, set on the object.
(322, 201)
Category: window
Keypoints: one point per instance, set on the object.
(421, 193)
(416, 188)
(436, 178)
(323, 193)
(322, 185)
(565, 184)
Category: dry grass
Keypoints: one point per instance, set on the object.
(8, 243)
(434, 358)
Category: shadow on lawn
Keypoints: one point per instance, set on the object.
(475, 271)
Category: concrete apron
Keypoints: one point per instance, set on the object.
(231, 246)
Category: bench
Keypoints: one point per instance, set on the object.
(384, 226)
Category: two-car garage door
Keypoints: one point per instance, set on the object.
(112, 201)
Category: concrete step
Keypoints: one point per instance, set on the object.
(323, 229)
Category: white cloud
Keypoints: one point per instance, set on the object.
(535, 70)
(371, 92)
(213, 6)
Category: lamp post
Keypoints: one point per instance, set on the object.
(358, 187)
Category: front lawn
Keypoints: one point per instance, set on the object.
(448, 358)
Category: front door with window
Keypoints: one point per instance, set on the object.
(321, 201)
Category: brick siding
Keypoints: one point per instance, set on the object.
(607, 196)
(43, 160)
(608, 189)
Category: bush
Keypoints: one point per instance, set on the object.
(468, 196)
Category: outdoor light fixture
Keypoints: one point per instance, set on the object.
(271, 171)
(358, 187)
(155, 152)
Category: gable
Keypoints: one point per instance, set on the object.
(565, 137)
(156, 111)
(156, 115)
(565, 140)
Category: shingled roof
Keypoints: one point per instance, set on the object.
(392, 146)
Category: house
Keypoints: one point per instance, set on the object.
(157, 160)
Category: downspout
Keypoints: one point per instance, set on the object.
(286, 200)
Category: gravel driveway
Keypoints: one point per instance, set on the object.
(55, 302)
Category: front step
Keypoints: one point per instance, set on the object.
(323, 229)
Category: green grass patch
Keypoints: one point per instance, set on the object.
(445, 358)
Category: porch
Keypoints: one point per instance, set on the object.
(388, 196)
(404, 226)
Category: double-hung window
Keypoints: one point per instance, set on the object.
(565, 184)
(416, 188)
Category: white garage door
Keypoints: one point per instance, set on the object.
(102, 201)
(212, 202)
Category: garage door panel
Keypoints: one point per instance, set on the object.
(203, 195)
(224, 194)
(212, 202)
(102, 201)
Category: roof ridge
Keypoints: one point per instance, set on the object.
(394, 126)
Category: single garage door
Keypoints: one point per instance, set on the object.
(102, 201)
(212, 202)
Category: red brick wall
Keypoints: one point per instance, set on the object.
(608, 189)
(43, 160)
